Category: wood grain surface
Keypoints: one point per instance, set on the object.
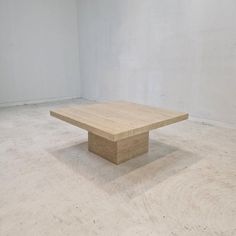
(118, 151)
(118, 120)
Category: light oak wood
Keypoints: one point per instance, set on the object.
(118, 131)
(118, 151)
(118, 120)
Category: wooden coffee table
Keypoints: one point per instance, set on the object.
(118, 131)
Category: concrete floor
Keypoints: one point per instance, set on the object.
(51, 185)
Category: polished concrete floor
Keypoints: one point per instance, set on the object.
(51, 185)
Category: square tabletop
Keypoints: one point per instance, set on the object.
(118, 120)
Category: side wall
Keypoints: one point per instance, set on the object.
(38, 51)
(179, 54)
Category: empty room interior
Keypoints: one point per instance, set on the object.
(118, 117)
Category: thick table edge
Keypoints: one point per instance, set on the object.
(150, 127)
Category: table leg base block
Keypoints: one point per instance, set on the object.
(119, 151)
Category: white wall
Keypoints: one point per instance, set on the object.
(38, 50)
(179, 54)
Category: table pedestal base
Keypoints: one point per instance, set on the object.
(118, 151)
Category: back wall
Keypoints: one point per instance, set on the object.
(38, 51)
(179, 54)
